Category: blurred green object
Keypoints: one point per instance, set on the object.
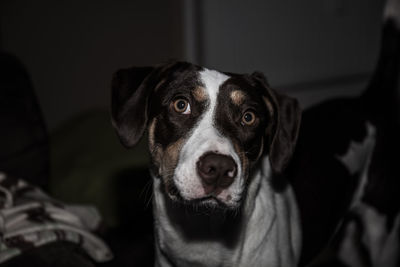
(85, 157)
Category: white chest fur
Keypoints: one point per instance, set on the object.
(266, 233)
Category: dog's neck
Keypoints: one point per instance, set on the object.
(265, 231)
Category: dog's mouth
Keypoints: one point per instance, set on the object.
(207, 202)
(211, 202)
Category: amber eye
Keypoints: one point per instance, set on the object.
(181, 106)
(248, 118)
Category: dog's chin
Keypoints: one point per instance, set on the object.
(206, 203)
(210, 202)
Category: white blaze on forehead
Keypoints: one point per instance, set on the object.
(205, 138)
(212, 80)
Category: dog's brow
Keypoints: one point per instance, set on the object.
(200, 94)
(237, 97)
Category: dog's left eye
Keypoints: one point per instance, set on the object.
(248, 118)
(182, 106)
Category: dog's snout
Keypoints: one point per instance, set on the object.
(216, 169)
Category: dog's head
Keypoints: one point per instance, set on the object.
(207, 129)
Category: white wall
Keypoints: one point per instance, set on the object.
(292, 41)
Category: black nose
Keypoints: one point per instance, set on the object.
(216, 169)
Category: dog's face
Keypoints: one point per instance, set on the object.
(206, 129)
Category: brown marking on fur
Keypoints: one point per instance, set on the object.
(171, 156)
(151, 134)
(166, 161)
(159, 84)
(238, 97)
(243, 158)
(200, 94)
(156, 150)
(269, 105)
(269, 130)
(261, 149)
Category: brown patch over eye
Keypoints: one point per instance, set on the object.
(237, 97)
(199, 94)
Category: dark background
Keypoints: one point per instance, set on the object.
(310, 49)
(313, 50)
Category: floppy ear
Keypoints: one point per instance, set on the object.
(286, 115)
(285, 138)
(131, 89)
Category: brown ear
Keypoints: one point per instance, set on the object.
(286, 117)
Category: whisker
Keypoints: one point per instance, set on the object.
(146, 190)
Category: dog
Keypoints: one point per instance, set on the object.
(242, 177)
(218, 141)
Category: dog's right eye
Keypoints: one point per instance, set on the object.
(182, 106)
(249, 118)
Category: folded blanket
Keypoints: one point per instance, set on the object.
(29, 218)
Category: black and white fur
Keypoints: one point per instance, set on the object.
(332, 201)
(345, 170)
(245, 222)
